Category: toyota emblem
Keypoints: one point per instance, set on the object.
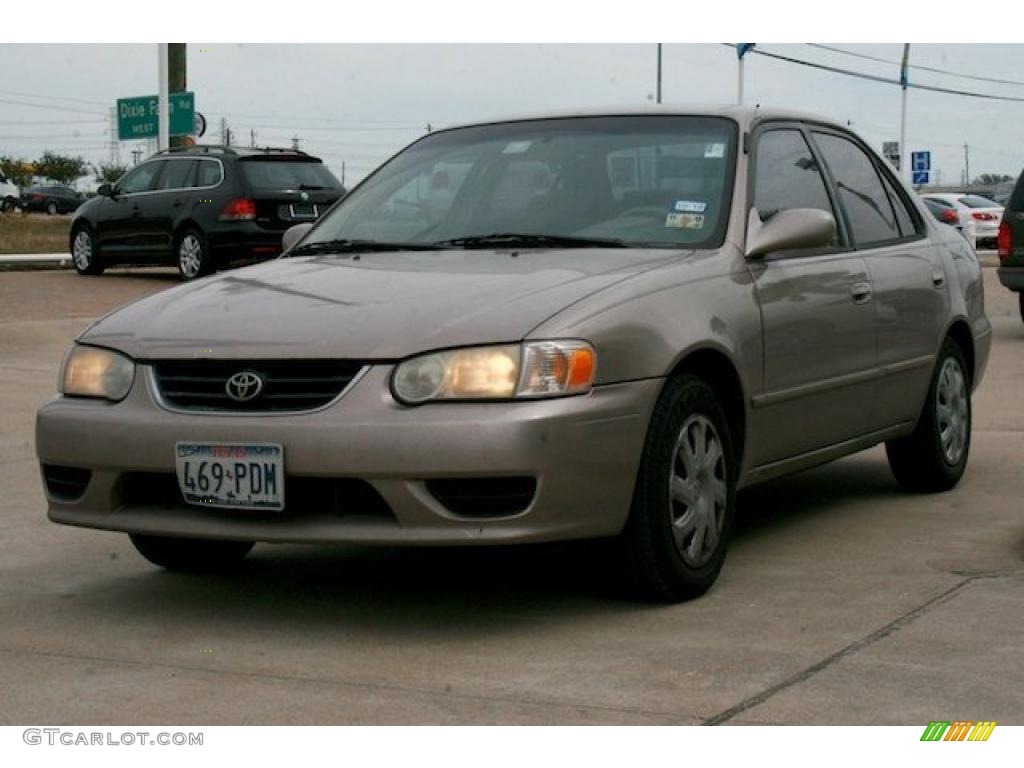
(244, 386)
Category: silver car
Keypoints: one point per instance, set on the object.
(559, 327)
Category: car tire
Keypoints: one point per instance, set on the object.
(933, 458)
(684, 502)
(178, 554)
(85, 252)
(193, 255)
(8, 204)
(1020, 303)
(51, 208)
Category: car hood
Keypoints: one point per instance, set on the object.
(374, 306)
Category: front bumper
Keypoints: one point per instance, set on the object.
(583, 452)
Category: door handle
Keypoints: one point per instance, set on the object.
(176, 204)
(860, 292)
(938, 279)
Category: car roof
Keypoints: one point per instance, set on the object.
(220, 150)
(746, 116)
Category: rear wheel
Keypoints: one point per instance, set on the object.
(934, 457)
(193, 253)
(85, 252)
(684, 502)
(178, 554)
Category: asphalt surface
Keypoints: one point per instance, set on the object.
(843, 600)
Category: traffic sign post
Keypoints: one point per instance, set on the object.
(920, 167)
(137, 116)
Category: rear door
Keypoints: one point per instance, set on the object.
(908, 283)
(171, 199)
(288, 189)
(818, 320)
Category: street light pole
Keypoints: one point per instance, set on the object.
(176, 81)
(163, 111)
(659, 74)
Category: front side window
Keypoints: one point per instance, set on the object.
(786, 175)
(175, 175)
(860, 191)
(140, 179)
(636, 180)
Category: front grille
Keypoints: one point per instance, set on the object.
(287, 385)
(303, 496)
(484, 496)
(66, 483)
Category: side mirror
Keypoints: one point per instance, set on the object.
(292, 235)
(789, 230)
(105, 190)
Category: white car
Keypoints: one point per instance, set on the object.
(9, 194)
(979, 216)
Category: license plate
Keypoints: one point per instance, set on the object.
(231, 475)
(303, 211)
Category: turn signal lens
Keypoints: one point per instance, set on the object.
(557, 368)
(95, 372)
(532, 370)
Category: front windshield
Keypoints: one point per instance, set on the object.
(654, 180)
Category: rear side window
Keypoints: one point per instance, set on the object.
(208, 174)
(287, 174)
(903, 216)
(787, 175)
(860, 191)
(974, 201)
(175, 175)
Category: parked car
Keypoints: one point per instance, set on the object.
(979, 216)
(943, 213)
(1002, 192)
(1011, 244)
(610, 324)
(201, 207)
(52, 199)
(9, 194)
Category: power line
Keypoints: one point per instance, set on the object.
(916, 66)
(877, 78)
(54, 98)
(51, 106)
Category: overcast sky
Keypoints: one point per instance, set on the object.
(361, 103)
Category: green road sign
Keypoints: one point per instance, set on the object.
(137, 116)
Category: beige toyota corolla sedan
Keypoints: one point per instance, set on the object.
(558, 327)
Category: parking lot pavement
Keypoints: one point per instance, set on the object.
(843, 601)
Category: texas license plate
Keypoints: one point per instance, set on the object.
(231, 475)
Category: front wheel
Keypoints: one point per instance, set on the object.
(933, 458)
(684, 502)
(85, 252)
(178, 554)
(51, 208)
(194, 257)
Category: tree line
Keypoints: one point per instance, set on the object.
(62, 169)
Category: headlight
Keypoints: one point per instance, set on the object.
(95, 372)
(534, 369)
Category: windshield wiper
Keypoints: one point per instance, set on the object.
(513, 239)
(311, 186)
(345, 245)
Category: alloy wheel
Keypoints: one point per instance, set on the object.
(952, 410)
(697, 491)
(81, 251)
(190, 254)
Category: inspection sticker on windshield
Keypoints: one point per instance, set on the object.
(685, 220)
(715, 150)
(690, 206)
(516, 147)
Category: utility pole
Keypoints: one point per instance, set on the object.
(967, 165)
(342, 173)
(115, 149)
(295, 142)
(177, 80)
(136, 156)
(658, 90)
(252, 137)
(905, 170)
